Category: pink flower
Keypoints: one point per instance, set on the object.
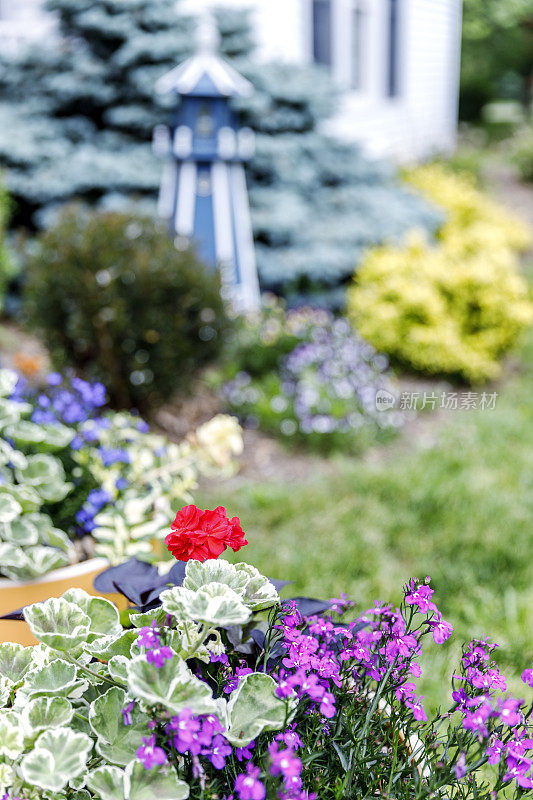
(442, 630)
(527, 677)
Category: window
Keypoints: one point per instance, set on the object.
(393, 48)
(204, 122)
(357, 25)
(322, 32)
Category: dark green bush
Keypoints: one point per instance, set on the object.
(113, 298)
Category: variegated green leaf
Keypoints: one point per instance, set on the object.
(58, 756)
(58, 623)
(174, 686)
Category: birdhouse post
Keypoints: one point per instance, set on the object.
(203, 194)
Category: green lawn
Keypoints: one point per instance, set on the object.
(461, 512)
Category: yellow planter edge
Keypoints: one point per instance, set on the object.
(16, 594)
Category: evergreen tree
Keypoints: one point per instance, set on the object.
(89, 107)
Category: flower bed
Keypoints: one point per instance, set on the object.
(214, 688)
(307, 378)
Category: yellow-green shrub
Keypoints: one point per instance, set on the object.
(454, 307)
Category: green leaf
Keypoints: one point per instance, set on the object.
(44, 712)
(174, 686)
(162, 784)
(28, 498)
(56, 678)
(198, 575)
(6, 777)
(103, 615)
(24, 433)
(32, 562)
(260, 593)
(9, 508)
(15, 660)
(41, 468)
(5, 690)
(20, 531)
(58, 756)
(215, 604)
(11, 737)
(145, 619)
(254, 707)
(8, 381)
(107, 782)
(117, 743)
(55, 491)
(118, 668)
(58, 623)
(105, 647)
(56, 437)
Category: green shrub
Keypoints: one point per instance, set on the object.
(113, 297)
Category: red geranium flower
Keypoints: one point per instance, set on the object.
(199, 535)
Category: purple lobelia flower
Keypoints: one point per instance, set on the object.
(149, 754)
(126, 713)
(248, 786)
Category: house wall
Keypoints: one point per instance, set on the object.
(22, 21)
(422, 119)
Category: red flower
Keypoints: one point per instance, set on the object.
(199, 535)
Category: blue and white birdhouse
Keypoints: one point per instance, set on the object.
(203, 193)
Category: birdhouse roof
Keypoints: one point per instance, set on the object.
(205, 75)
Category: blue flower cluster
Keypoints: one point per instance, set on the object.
(96, 500)
(69, 400)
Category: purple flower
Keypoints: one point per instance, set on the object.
(477, 720)
(284, 762)
(527, 677)
(218, 751)
(149, 636)
(327, 705)
(420, 596)
(149, 754)
(248, 787)
(442, 630)
(494, 751)
(126, 713)
(158, 655)
(460, 766)
(244, 753)
(184, 731)
(509, 711)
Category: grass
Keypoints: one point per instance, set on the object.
(460, 511)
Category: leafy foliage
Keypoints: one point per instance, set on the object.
(456, 308)
(114, 298)
(496, 53)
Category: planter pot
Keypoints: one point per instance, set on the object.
(16, 594)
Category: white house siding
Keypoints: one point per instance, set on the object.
(22, 21)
